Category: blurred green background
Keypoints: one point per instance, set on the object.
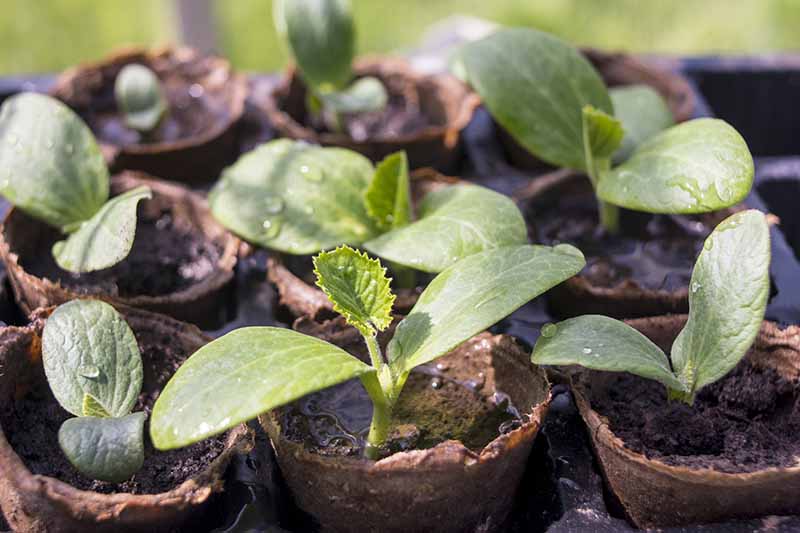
(48, 35)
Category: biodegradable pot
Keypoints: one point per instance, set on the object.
(201, 302)
(656, 494)
(197, 137)
(446, 104)
(39, 503)
(617, 69)
(445, 488)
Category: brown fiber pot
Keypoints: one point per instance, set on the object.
(38, 503)
(201, 303)
(444, 100)
(444, 488)
(202, 90)
(655, 494)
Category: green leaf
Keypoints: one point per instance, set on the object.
(106, 449)
(454, 222)
(92, 407)
(602, 135)
(388, 196)
(50, 164)
(321, 37)
(535, 85)
(139, 97)
(105, 239)
(295, 197)
(358, 288)
(88, 348)
(727, 299)
(363, 96)
(474, 294)
(699, 166)
(643, 113)
(241, 375)
(602, 343)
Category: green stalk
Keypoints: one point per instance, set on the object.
(379, 387)
(609, 216)
(404, 277)
(677, 395)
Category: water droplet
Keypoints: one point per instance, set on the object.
(271, 228)
(442, 367)
(89, 371)
(549, 330)
(196, 90)
(695, 287)
(311, 173)
(709, 244)
(436, 383)
(587, 351)
(274, 205)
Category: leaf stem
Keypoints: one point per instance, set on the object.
(404, 277)
(381, 415)
(678, 395)
(375, 355)
(609, 216)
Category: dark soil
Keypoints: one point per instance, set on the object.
(748, 421)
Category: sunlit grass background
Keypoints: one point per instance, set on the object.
(48, 35)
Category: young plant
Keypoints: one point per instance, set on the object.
(52, 169)
(94, 368)
(727, 299)
(139, 98)
(253, 370)
(298, 198)
(320, 35)
(554, 103)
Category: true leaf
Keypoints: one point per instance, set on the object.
(88, 348)
(535, 85)
(643, 113)
(294, 197)
(241, 375)
(105, 239)
(454, 222)
(727, 299)
(106, 449)
(363, 96)
(602, 343)
(695, 167)
(475, 293)
(139, 97)
(50, 164)
(602, 135)
(388, 197)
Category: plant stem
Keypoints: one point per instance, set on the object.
(404, 277)
(677, 395)
(375, 355)
(609, 216)
(381, 415)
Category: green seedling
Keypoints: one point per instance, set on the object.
(94, 368)
(553, 103)
(253, 370)
(140, 98)
(52, 169)
(727, 299)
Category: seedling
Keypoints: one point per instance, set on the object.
(320, 35)
(554, 103)
(727, 299)
(94, 368)
(139, 97)
(253, 370)
(298, 198)
(53, 171)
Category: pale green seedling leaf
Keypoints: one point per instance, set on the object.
(89, 349)
(106, 449)
(474, 294)
(241, 375)
(699, 166)
(295, 197)
(535, 85)
(139, 97)
(363, 96)
(105, 239)
(358, 288)
(602, 343)
(50, 164)
(643, 113)
(602, 135)
(388, 197)
(92, 407)
(727, 299)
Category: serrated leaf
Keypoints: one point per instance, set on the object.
(92, 407)
(474, 294)
(106, 449)
(50, 164)
(535, 85)
(699, 166)
(88, 348)
(727, 299)
(357, 286)
(603, 343)
(388, 197)
(643, 113)
(454, 222)
(241, 375)
(139, 97)
(365, 95)
(295, 197)
(105, 239)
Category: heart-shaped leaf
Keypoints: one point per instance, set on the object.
(388, 196)
(50, 164)
(363, 96)
(106, 449)
(139, 97)
(105, 239)
(454, 222)
(89, 349)
(241, 375)
(643, 113)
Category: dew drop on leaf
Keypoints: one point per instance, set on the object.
(695, 287)
(549, 330)
(273, 205)
(709, 244)
(271, 228)
(587, 351)
(311, 173)
(89, 371)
